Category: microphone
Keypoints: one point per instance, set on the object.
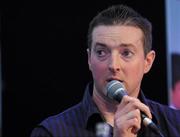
(115, 90)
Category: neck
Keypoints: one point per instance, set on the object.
(106, 106)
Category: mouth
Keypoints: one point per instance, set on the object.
(110, 79)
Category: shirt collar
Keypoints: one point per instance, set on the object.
(89, 105)
(92, 115)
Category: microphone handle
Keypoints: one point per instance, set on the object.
(150, 124)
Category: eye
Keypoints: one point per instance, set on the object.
(127, 53)
(100, 52)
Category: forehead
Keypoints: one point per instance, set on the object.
(118, 34)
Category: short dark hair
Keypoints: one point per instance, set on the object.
(122, 15)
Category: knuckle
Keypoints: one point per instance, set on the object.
(137, 111)
(125, 98)
(135, 104)
(134, 120)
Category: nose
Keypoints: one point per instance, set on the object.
(115, 63)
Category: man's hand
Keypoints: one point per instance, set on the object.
(127, 119)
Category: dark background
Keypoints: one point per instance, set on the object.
(44, 61)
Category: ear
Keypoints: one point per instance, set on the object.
(149, 61)
(89, 58)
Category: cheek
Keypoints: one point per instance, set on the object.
(135, 72)
(98, 68)
(136, 68)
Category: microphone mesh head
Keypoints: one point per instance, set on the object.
(115, 88)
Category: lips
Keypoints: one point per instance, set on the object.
(110, 79)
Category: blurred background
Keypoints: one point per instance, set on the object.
(44, 62)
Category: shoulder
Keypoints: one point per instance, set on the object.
(164, 112)
(66, 117)
(167, 118)
(63, 123)
(160, 106)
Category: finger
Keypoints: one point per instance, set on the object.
(133, 125)
(135, 114)
(134, 130)
(143, 108)
(123, 107)
(134, 103)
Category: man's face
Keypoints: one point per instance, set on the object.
(117, 53)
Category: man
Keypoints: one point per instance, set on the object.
(119, 48)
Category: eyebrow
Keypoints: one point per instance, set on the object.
(100, 44)
(121, 45)
(126, 45)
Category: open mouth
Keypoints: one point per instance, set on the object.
(114, 79)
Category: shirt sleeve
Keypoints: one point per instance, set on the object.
(40, 131)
